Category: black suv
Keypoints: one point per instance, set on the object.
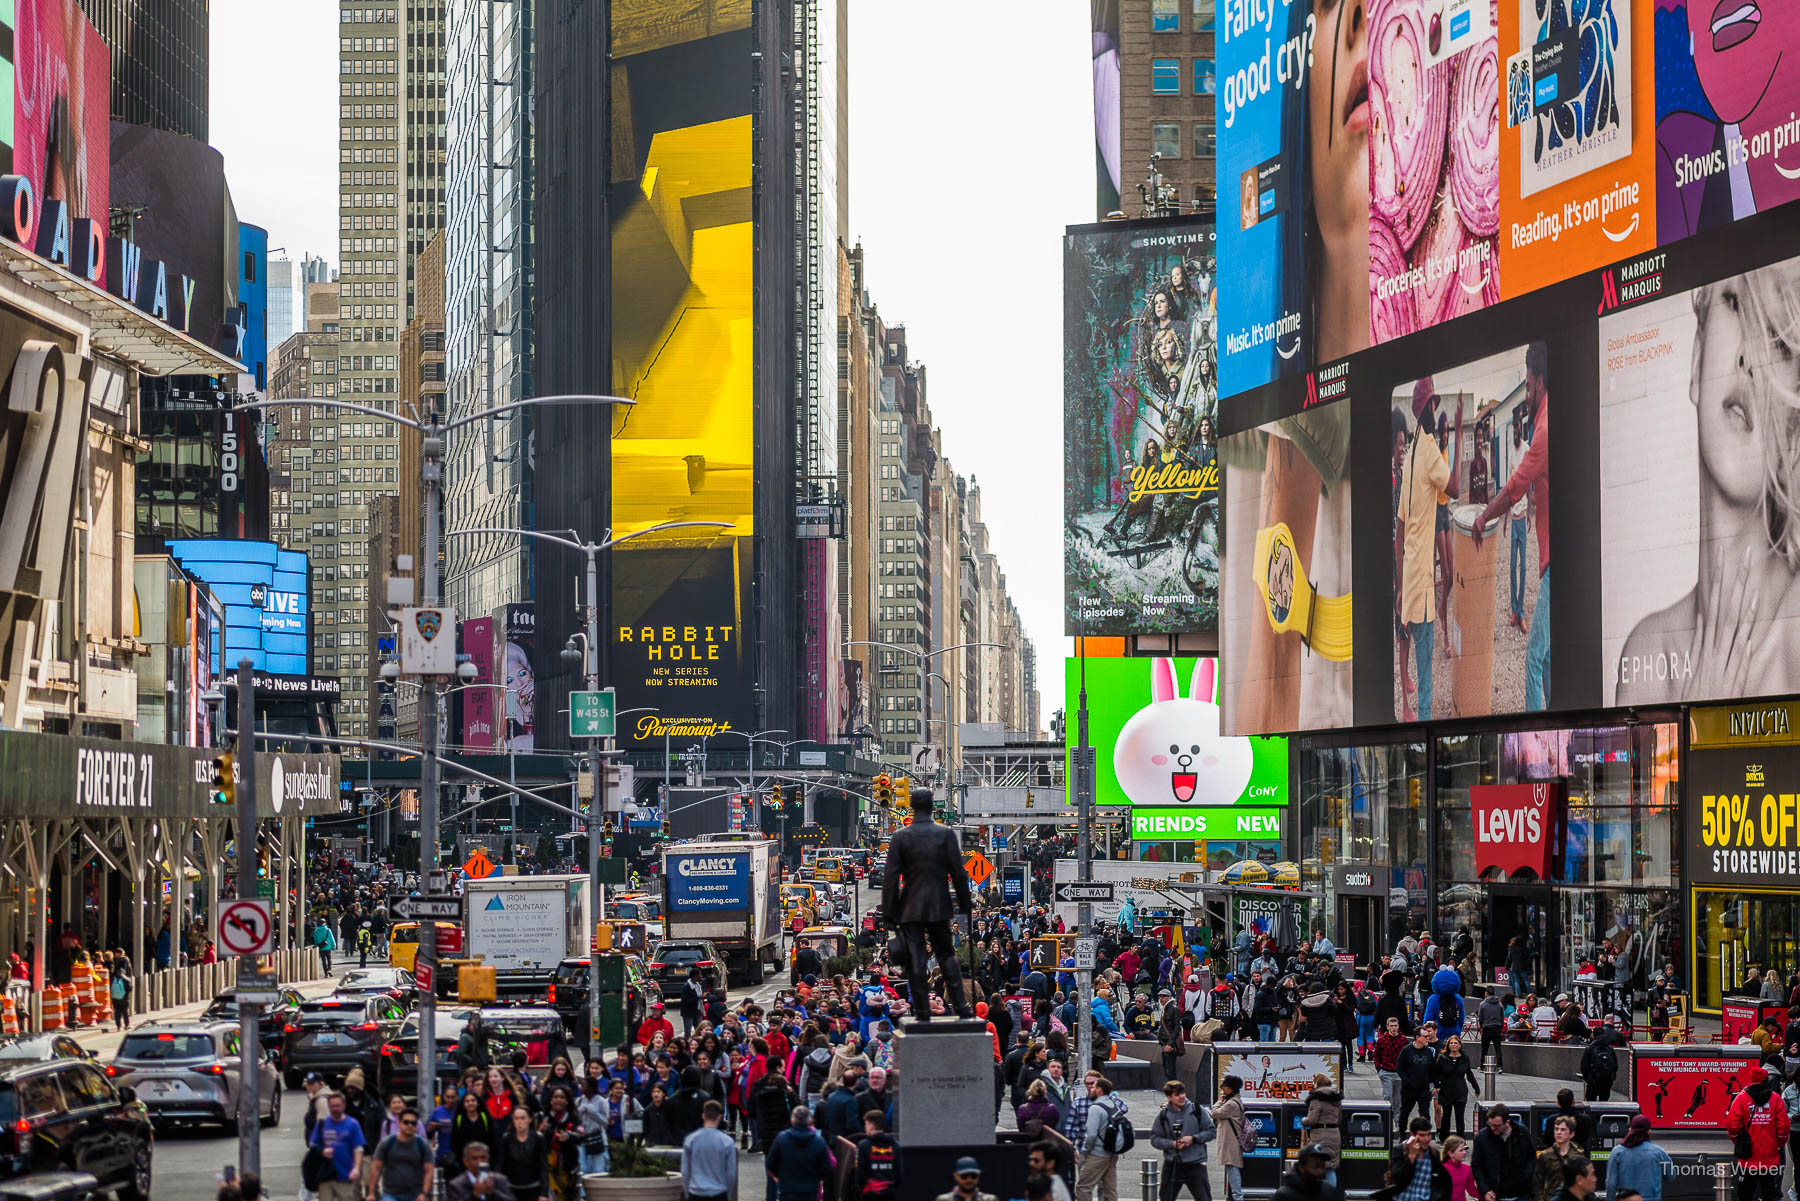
(401, 1070)
(676, 956)
(569, 996)
(333, 1035)
(65, 1116)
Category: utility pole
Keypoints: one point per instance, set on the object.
(250, 1055)
(1084, 813)
(431, 469)
(597, 814)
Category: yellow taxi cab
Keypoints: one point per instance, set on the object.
(829, 869)
(798, 898)
(403, 945)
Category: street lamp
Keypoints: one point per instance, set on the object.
(433, 431)
(591, 657)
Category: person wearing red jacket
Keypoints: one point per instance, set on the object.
(655, 1024)
(1758, 1114)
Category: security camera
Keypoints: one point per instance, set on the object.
(466, 672)
(390, 670)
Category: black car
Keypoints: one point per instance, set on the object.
(64, 1116)
(274, 1020)
(877, 873)
(35, 1048)
(333, 1035)
(401, 1069)
(675, 957)
(569, 996)
(379, 981)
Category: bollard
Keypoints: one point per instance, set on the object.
(1490, 1087)
(1722, 1183)
(1150, 1173)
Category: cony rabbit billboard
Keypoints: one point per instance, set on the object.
(1154, 727)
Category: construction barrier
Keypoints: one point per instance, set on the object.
(103, 993)
(9, 1016)
(53, 1008)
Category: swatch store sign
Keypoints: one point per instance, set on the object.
(1742, 779)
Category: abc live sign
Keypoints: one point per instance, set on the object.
(1512, 827)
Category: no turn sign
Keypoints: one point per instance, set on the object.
(245, 928)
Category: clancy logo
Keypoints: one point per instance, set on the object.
(707, 867)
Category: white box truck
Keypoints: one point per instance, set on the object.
(723, 890)
(523, 926)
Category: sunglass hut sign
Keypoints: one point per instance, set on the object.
(83, 246)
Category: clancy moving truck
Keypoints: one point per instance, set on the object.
(722, 890)
(523, 926)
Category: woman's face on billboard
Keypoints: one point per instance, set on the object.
(1338, 117)
(1726, 354)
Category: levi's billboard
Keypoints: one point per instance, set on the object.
(1513, 827)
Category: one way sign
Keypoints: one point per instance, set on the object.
(1071, 892)
(429, 908)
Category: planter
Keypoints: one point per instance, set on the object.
(624, 1188)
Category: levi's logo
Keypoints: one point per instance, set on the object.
(1509, 825)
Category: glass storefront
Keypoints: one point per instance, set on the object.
(1739, 929)
(1366, 805)
(1614, 856)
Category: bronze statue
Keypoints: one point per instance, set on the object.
(924, 863)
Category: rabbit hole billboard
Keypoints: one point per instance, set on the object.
(1154, 727)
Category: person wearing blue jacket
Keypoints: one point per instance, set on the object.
(1638, 1165)
(798, 1161)
(1101, 1007)
(1445, 1006)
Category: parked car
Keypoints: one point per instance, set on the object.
(35, 1048)
(192, 1072)
(273, 1020)
(380, 981)
(670, 965)
(340, 1032)
(402, 1053)
(64, 1115)
(569, 996)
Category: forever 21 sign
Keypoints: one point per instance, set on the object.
(108, 779)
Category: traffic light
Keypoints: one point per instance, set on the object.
(903, 793)
(884, 790)
(1030, 799)
(224, 786)
(666, 828)
(777, 799)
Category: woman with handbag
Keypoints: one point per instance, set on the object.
(1039, 1113)
(590, 1109)
(1236, 1137)
(561, 1132)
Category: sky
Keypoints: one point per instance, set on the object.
(971, 147)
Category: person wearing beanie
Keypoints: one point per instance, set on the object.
(1638, 1165)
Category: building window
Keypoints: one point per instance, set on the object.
(1165, 16)
(1165, 139)
(1165, 76)
(1206, 140)
(1203, 77)
(1203, 16)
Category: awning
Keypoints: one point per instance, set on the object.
(120, 330)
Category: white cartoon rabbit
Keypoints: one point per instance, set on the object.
(1170, 751)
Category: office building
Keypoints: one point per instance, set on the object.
(390, 203)
(1154, 95)
(161, 61)
(487, 329)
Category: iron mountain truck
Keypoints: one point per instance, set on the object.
(724, 891)
(523, 926)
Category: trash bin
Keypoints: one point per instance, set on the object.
(1609, 1122)
(1264, 1165)
(1368, 1137)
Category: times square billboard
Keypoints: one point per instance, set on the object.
(1540, 450)
(266, 594)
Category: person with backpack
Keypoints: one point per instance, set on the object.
(1600, 1062)
(1181, 1131)
(1758, 1125)
(404, 1164)
(119, 987)
(798, 1161)
(1107, 1136)
(877, 1161)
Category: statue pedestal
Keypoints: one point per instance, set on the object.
(946, 1070)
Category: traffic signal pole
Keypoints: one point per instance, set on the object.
(249, 1053)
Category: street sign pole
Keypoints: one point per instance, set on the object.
(1084, 814)
(250, 1059)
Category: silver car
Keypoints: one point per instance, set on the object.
(189, 1072)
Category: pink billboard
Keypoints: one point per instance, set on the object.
(479, 710)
